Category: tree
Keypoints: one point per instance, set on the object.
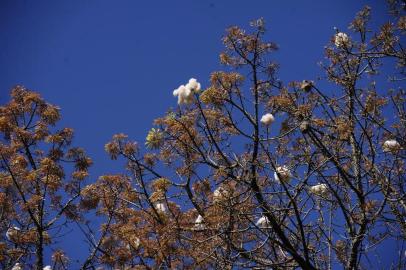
(38, 196)
(219, 186)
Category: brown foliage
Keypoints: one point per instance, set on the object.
(217, 187)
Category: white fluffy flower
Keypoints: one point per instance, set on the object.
(48, 267)
(160, 207)
(267, 119)
(12, 233)
(304, 126)
(263, 222)
(391, 145)
(193, 85)
(284, 174)
(199, 223)
(220, 193)
(184, 94)
(341, 39)
(320, 189)
(135, 243)
(17, 266)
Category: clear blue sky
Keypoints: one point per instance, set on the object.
(112, 65)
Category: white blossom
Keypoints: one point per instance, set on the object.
(12, 233)
(193, 85)
(390, 146)
(184, 94)
(341, 40)
(199, 223)
(219, 194)
(136, 242)
(267, 119)
(17, 266)
(263, 222)
(160, 207)
(284, 174)
(304, 126)
(320, 189)
(48, 267)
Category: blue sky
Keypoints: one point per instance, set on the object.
(112, 65)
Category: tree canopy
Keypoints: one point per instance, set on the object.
(248, 172)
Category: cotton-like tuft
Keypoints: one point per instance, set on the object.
(160, 207)
(184, 94)
(17, 266)
(219, 194)
(284, 173)
(136, 242)
(193, 85)
(267, 119)
(320, 189)
(48, 267)
(263, 222)
(391, 146)
(199, 223)
(341, 40)
(12, 233)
